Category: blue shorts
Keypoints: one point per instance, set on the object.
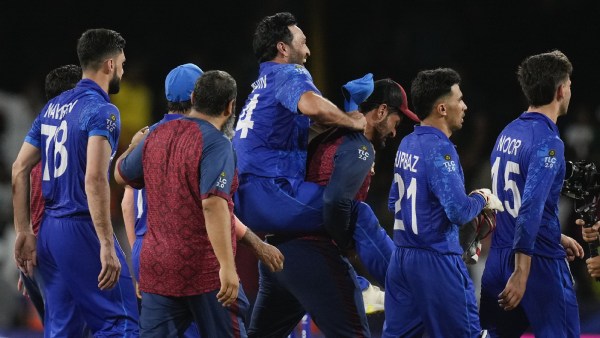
(68, 253)
(549, 304)
(316, 280)
(427, 292)
(164, 316)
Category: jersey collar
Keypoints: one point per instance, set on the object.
(91, 85)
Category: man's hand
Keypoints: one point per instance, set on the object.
(491, 201)
(514, 290)
(111, 267)
(270, 256)
(593, 266)
(21, 286)
(359, 122)
(589, 234)
(25, 252)
(572, 248)
(230, 285)
(138, 137)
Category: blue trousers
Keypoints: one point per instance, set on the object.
(549, 304)
(316, 280)
(294, 206)
(164, 316)
(427, 292)
(69, 264)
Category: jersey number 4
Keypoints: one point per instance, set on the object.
(245, 121)
(509, 184)
(57, 136)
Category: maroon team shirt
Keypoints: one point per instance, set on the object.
(36, 201)
(182, 162)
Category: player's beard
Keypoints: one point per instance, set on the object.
(227, 128)
(379, 135)
(114, 86)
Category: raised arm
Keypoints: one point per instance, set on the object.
(324, 112)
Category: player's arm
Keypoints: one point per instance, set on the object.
(447, 184)
(217, 171)
(134, 165)
(98, 194)
(266, 253)
(128, 209)
(541, 170)
(324, 112)
(218, 227)
(25, 243)
(352, 163)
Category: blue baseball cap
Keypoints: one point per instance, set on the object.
(180, 82)
(356, 92)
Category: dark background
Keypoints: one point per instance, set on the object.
(483, 40)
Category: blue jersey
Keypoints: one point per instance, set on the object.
(528, 169)
(272, 135)
(428, 194)
(139, 195)
(61, 132)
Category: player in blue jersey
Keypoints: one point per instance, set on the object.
(428, 289)
(272, 132)
(527, 281)
(341, 161)
(80, 262)
(57, 81)
(187, 165)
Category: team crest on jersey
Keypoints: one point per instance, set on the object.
(363, 153)
(111, 123)
(447, 157)
(552, 152)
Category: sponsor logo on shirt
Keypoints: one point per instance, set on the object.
(111, 123)
(222, 180)
(363, 153)
(550, 160)
(449, 164)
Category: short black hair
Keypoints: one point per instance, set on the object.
(429, 86)
(213, 92)
(384, 91)
(61, 79)
(95, 45)
(271, 30)
(541, 74)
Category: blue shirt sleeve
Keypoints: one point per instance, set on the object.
(447, 184)
(353, 161)
(217, 166)
(131, 167)
(298, 82)
(545, 162)
(106, 122)
(34, 134)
